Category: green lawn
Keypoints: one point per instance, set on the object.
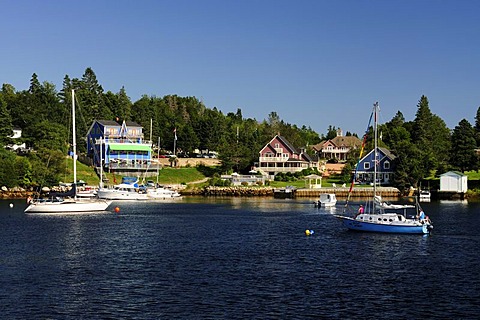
(84, 172)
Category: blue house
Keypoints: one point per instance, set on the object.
(385, 167)
(118, 146)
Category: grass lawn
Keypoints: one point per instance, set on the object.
(84, 172)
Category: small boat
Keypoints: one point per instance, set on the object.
(380, 216)
(58, 202)
(162, 193)
(424, 196)
(326, 200)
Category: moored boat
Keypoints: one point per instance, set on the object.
(128, 189)
(326, 200)
(58, 203)
(162, 193)
(379, 216)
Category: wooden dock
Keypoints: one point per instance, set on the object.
(386, 192)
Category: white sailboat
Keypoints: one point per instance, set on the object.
(59, 204)
(379, 216)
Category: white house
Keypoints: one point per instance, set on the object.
(453, 181)
(17, 134)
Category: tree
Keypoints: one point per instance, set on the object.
(477, 127)
(35, 85)
(431, 135)
(5, 124)
(331, 133)
(463, 147)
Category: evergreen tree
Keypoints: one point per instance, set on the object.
(5, 124)
(463, 147)
(432, 137)
(35, 85)
(477, 127)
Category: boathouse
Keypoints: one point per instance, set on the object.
(453, 181)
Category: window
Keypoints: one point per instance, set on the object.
(366, 165)
(386, 165)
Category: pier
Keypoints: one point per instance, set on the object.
(343, 192)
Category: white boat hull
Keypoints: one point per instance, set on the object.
(67, 206)
(112, 194)
(163, 194)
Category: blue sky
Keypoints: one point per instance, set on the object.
(316, 63)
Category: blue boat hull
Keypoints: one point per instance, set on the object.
(385, 228)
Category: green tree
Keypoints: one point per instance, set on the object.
(431, 135)
(50, 135)
(463, 147)
(477, 127)
(5, 124)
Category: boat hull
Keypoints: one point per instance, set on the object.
(112, 194)
(356, 225)
(67, 206)
(163, 194)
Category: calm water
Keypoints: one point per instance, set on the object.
(234, 258)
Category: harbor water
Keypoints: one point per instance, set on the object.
(235, 258)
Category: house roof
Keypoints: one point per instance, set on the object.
(339, 141)
(287, 144)
(118, 124)
(387, 152)
(450, 173)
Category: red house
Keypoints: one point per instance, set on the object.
(280, 156)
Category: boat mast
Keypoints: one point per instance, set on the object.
(74, 142)
(375, 162)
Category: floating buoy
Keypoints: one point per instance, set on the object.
(309, 232)
(11, 205)
(117, 209)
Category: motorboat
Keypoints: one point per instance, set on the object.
(162, 193)
(127, 190)
(326, 200)
(424, 196)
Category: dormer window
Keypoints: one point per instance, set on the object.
(386, 165)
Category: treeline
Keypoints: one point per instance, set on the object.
(44, 115)
(424, 146)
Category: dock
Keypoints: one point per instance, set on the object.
(386, 192)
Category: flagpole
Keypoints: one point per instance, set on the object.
(175, 142)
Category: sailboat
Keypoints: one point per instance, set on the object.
(57, 203)
(380, 216)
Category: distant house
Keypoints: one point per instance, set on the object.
(385, 167)
(240, 179)
(16, 135)
(279, 155)
(453, 181)
(337, 148)
(119, 146)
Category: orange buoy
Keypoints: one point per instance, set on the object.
(117, 209)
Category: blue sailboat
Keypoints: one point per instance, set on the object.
(379, 216)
